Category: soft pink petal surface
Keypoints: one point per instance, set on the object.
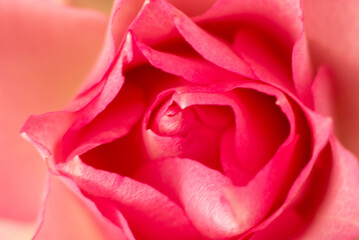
(297, 170)
(326, 207)
(302, 70)
(190, 66)
(289, 17)
(338, 214)
(323, 90)
(134, 199)
(69, 215)
(198, 189)
(262, 38)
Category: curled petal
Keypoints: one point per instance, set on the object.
(198, 189)
(117, 195)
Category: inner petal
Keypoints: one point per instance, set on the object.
(175, 132)
(261, 128)
(171, 120)
(198, 190)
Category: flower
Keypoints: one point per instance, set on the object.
(204, 128)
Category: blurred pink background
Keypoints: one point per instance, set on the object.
(46, 50)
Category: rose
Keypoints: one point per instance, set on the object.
(213, 110)
(26, 50)
(230, 194)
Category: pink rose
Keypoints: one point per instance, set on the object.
(204, 124)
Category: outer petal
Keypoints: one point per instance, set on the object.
(192, 8)
(114, 193)
(288, 17)
(190, 66)
(338, 215)
(320, 129)
(167, 21)
(302, 70)
(45, 52)
(123, 12)
(323, 92)
(337, 46)
(47, 130)
(71, 216)
(265, 34)
(327, 206)
(198, 189)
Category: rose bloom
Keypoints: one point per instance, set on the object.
(203, 120)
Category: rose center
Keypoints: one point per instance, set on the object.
(192, 131)
(172, 120)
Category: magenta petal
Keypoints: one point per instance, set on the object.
(253, 129)
(47, 130)
(338, 214)
(211, 48)
(263, 38)
(286, 226)
(154, 23)
(252, 202)
(260, 124)
(323, 92)
(115, 121)
(320, 138)
(123, 13)
(289, 19)
(174, 131)
(192, 68)
(44, 130)
(198, 189)
(264, 121)
(192, 8)
(321, 128)
(266, 53)
(302, 70)
(147, 211)
(167, 19)
(327, 206)
(66, 212)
